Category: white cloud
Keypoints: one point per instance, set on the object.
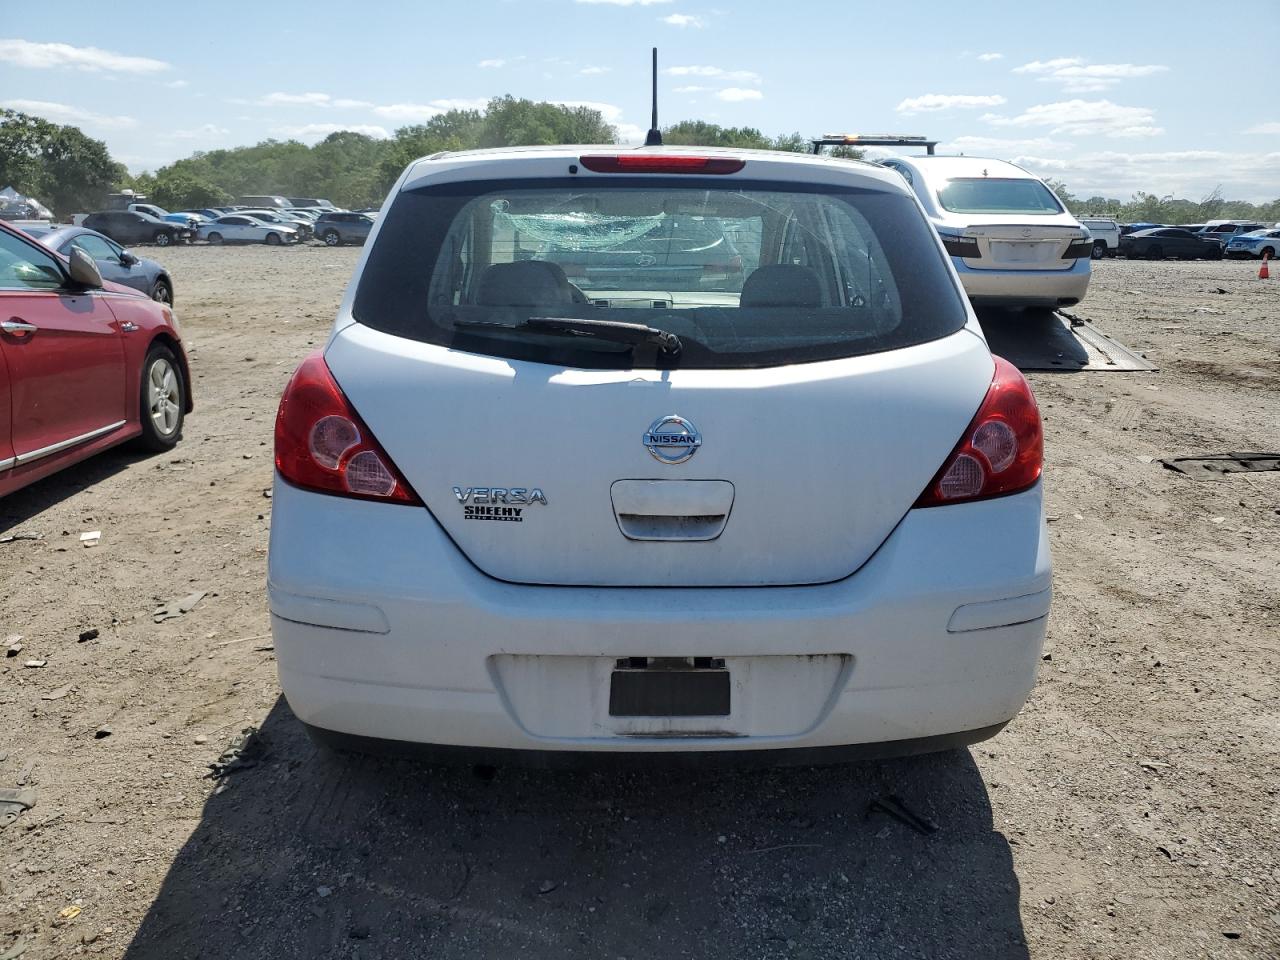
(422, 112)
(988, 57)
(684, 20)
(1078, 76)
(206, 131)
(491, 64)
(719, 73)
(1083, 118)
(609, 111)
(631, 133)
(624, 3)
(1272, 126)
(738, 94)
(1182, 173)
(44, 56)
(1003, 147)
(594, 71)
(1048, 66)
(66, 114)
(933, 102)
(692, 89)
(295, 99)
(318, 131)
(178, 84)
(309, 100)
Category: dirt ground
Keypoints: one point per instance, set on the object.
(1129, 812)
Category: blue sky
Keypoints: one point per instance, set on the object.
(1111, 98)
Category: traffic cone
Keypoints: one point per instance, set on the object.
(1263, 272)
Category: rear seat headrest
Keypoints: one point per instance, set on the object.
(782, 285)
(525, 283)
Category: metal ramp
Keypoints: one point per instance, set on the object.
(1057, 341)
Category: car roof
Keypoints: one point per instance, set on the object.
(776, 164)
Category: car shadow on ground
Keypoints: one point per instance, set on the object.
(18, 508)
(309, 854)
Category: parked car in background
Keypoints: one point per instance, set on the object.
(1128, 228)
(24, 209)
(660, 589)
(1105, 234)
(285, 218)
(115, 263)
(238, 228)
(89, 364)
(1010, 238)
(1224, 230)
(130, 226)
(1257, 243)
(267, 200)
(336, 229)
(311, 202)
(1193, 227)
(1164, 242)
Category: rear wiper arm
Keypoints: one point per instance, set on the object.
(632, 333)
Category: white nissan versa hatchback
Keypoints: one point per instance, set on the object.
(525, 505)
(1011, 240)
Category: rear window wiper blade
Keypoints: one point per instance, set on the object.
(634, 334)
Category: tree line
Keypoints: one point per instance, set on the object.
(71, 172)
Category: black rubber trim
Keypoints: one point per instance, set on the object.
(443, 755)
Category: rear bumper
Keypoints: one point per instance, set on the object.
(1028, 288)
(383, 630)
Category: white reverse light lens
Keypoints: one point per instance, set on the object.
(367, 474)
(964, 478)
(997, 443)
(331, 437)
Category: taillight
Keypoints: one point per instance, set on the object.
(966, 247)
(322, 445)
(656, 163)
(1078, 250)
(1002, 450)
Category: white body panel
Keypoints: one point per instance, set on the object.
(383, 629)
(824, 458)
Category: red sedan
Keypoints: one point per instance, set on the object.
(84, 365)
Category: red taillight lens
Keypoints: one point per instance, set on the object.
(654, 163)
(322, 445)
(1001, 452)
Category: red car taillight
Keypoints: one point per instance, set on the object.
(322, 445)
(1002, 450)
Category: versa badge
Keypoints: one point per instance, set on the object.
(498, 503)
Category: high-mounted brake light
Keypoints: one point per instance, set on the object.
(658, 163)
(1001, 452)
(322, 445)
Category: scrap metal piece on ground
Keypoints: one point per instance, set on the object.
(14, 801)
(244, 751)
(176, 608)
(1057, 341)
(1213, 466)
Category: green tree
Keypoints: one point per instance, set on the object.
(58, 165)
(179, 191)
(509, 122)
(699, 133)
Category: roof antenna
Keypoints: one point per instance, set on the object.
(654, 137)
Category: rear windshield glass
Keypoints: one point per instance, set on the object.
(992, 195)
(746, 275)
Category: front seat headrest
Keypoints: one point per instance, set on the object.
(781, 285)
